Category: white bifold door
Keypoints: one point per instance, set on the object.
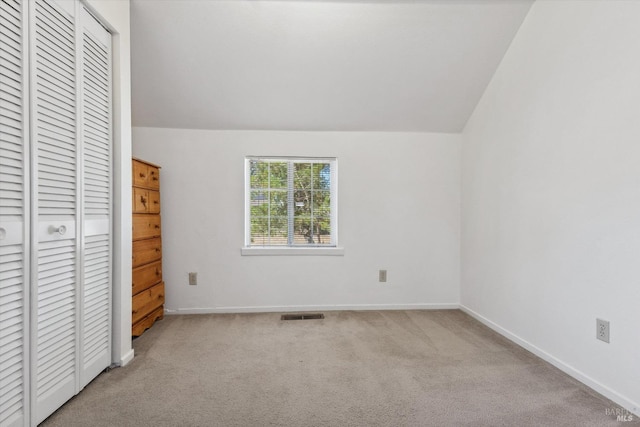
(55, 205)
(14, 218)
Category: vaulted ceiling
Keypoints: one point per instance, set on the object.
(316, 65)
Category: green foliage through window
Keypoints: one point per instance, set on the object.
(290, 202)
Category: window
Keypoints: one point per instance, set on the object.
(291, 202)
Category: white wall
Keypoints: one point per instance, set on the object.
(551, 193)
(115, 14)
(398, 210)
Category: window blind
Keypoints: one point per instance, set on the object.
(291, 202)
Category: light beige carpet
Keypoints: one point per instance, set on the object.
(371, 368)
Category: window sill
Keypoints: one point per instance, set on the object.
(315, 251)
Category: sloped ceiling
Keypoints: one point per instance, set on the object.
(316, 65)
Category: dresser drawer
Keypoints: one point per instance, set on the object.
(147, 301)
(145, 175)
(146, 276)
(154, 201)
(146, 226)
(145, 201)
(140, 173)
(140, 200)
(146, 251)
(153, 177)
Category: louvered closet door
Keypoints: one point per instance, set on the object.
(13, 214)
(55, 207)
(96, 198)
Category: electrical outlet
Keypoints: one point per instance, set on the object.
(602, 330)
(193, 279)
(382, 276)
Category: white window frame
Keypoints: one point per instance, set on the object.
(293, 249)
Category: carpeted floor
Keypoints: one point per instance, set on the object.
(370, 368)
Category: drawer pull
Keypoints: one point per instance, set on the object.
(157, 272)
(155, 202)
(157, 249)
(157, 226)
(143, 200)
(141, 175)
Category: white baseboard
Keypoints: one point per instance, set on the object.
(128, 357)
(291, 308)
(612, 395)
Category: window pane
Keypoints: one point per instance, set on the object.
(302, 231)
(279, 231)
(259, 203)
(259, 172)
(322, 230)
(302, 176)
(279, 203)
(322, 203)
(278, 173)
(302, 203)
(321, 176)
(259, 230)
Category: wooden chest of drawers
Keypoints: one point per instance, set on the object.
(147, 286)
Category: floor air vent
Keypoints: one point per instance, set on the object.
(306, 316)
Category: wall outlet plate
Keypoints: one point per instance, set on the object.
(193, 279)
(602, 330)
(382, 276)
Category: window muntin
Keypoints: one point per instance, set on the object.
(291, 202)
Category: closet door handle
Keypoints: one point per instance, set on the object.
(60, 230)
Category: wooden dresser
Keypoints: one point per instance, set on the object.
(147, 285)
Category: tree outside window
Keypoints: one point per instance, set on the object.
(290, 202)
